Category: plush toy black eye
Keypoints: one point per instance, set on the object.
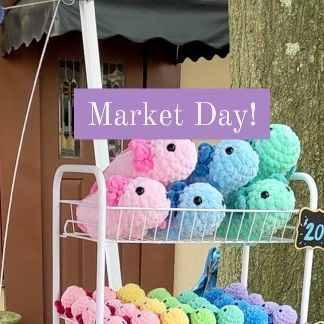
(139, 315)
(288, 189)
(229, 150)
(197, 200)
(140, 190)
(167, 196)
(265, 194)
(171, 147)
(280, 310)
(225, 309)
(263, 305)
(271, 128)
(223, 202)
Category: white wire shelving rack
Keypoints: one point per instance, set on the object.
(283, 234)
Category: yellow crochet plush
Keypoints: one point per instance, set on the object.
(130, 293)
(153, 305)
(175, 316)
(140, 301)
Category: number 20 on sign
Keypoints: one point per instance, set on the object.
(310, 229)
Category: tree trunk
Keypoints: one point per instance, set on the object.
(279, 44)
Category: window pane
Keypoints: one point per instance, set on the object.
(70, 75)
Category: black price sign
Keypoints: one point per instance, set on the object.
(310, 229)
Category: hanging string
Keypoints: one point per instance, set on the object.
(22, 135)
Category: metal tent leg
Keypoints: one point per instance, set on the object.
(245, 265)
(309, 252)
(93, 72)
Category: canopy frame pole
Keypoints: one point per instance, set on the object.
(93, 73)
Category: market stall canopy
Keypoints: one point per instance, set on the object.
(195, 27)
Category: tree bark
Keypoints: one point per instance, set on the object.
(279, 44)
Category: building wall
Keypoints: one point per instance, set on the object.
(200, 74)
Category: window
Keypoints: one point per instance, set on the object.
(71, 76)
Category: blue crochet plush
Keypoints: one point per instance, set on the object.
(279, 154)
(253, 314)
(224, 300)
(213, 293)
(196, 223)
(228, 166)
(268, 194)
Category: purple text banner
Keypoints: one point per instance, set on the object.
(172, 113)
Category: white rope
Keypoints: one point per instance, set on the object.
(67, 3)
(20, 145)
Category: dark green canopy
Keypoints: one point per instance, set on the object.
(195, 27)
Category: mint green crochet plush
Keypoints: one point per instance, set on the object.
(170, 302)
(186, 308)
(186, 296)
(201, 302)
(230, 314)
(268, 194)
(202, 316)
(279, 154)
(159, 294)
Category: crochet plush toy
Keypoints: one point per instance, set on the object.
(69, 296)
(279, 154)
(145, 317)
(186, 308)
(127, 311)
(153, 305)
(253, 314)
(109, 294)
(213, 293)
(224, 300)
(193, 224)
(285, 315)
(166, 161)
(202, 316)
(230, 314)
(174, 316)
(115, 320)
(159, 293)
(89, 314)
(186, 296)
(171, 302)
(113, 304)
(228, 166)
(130, 293)
(201, 302)
(255, 299)
(268, 194)
(80, 305)
(237, 290)
(125, 192)
(270, 308)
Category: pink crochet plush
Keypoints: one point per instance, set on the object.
(109, 294)
(70, 295)
(115, 320)
(164, 160)
(125, 192)
(113, 305)
(89, 314)
(129, 310)
(80, 305)
(145, 317)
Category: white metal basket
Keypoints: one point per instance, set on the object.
(251, 227)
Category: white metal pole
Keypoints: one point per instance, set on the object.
(309, 254)
(93, 72)
(245, 265)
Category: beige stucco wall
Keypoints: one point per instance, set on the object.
(190, 259)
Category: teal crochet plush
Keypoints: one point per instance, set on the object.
(279, 154)
(203, 316)
(230, 314)
(186, 296)
(268, 194)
